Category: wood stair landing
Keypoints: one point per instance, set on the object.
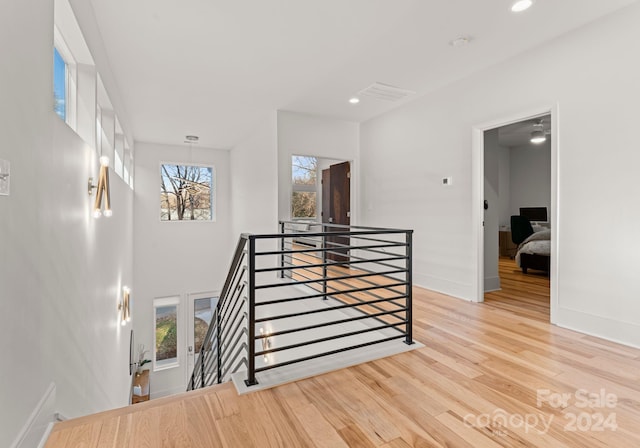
(478, 359)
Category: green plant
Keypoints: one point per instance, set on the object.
(141, 353)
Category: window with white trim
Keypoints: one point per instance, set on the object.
(304, 178)
(165, 317)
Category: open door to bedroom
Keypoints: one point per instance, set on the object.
(517, 183)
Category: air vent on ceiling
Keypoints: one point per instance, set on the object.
(385, 92)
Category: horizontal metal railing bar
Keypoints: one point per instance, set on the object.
(329, 338)
(226, 353)
(235, 369)
(322, 237)
(276, 285)
(305, 263)
(332, 352)
(366, 281)
(318, 295)
(296, 251)
(333, 308)
(239, 253)
(238, 298)
(359, 269)
(335, 251)
(346, 247)
(336, 296)
(227, 323)
(271, 236)
(336, 291)
(348, 226)
(229, 332)
(319, 265)
(326, 324)
(232, 296)
(229, 361)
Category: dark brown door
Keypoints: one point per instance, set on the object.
(336, 206)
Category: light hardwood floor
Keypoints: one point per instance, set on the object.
(473, 385)
(526, 295)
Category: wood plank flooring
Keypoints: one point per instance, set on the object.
(476, 382)
(526, 295)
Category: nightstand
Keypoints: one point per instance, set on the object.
(141, 380)
(507, 247)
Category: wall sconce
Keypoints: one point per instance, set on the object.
(125, 306)
(102, 189)
(266, 343)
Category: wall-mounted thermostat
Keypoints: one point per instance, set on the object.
(447, 181)
(4, 177)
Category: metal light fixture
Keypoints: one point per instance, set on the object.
(538, 136)
(125, 306)
(266, 344)
(102, 190)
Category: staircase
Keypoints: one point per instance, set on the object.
(304, 296)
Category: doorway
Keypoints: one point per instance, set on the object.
(336, 207)
(201, 308)
(502, 275)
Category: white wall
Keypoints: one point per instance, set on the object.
(530, 177)
(492, 152)
(61, 271)
(254, 181)
(176, 258)
(308, 135)
(504, 185)
(592, 75)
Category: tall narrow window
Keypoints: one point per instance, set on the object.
(59, 85)
(166, 332)
(304, 172)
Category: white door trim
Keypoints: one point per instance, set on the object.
(477, 209)
(190, 355)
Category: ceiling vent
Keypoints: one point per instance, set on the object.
(385, 92)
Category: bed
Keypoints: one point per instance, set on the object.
(535, 252)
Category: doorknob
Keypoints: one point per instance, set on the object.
(190, 349)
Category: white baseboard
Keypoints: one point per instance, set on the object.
(492, 284)
(166, 392)
(624, 333)
(37, 428)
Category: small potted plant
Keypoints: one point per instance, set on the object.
(141, 358)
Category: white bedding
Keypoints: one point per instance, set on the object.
(538, 243)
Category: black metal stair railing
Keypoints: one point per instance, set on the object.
(310, 291)
(224, 347)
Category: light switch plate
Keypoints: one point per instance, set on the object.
(5, 168)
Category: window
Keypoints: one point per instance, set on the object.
(304, 171)
(186, 193)
(202, 314)
(166, 332)
(59, 85)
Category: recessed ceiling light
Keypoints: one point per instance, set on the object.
(354, 100)
(521, 5)
(191, 138)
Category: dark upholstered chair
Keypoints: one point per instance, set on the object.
(520, 228)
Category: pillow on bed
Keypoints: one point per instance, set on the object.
(538, 236)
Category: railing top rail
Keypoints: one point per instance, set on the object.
(376, 229)
(242, 241)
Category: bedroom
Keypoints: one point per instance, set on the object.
(517, 216)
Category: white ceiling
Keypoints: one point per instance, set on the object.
(519, 134)
(213, 68)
